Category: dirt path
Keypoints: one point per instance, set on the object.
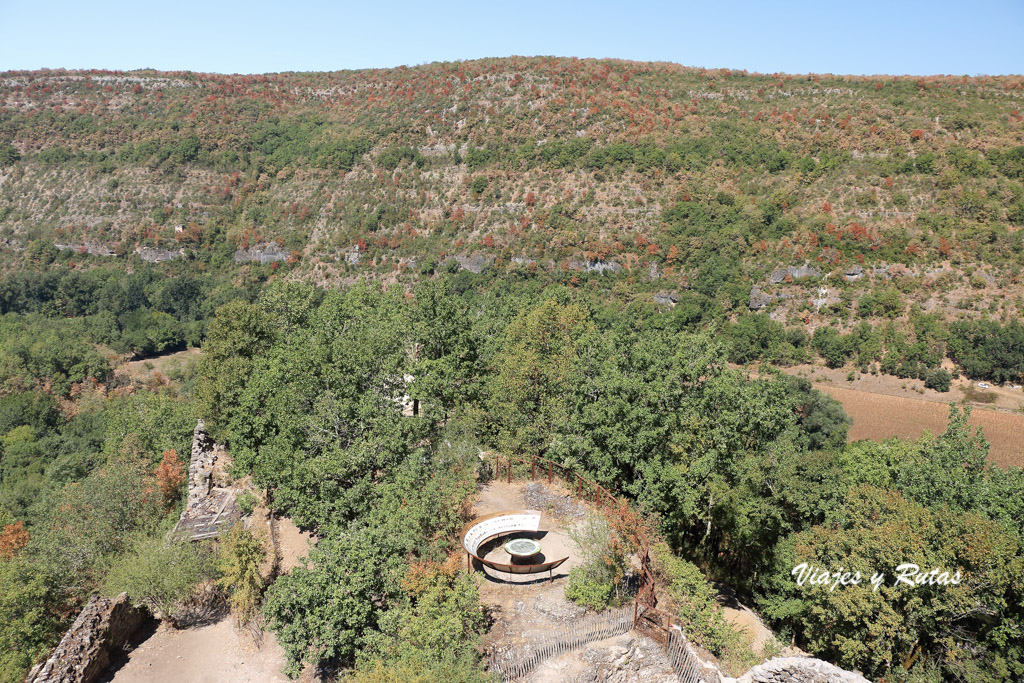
(293, 544)
(216, 653)
(745, 619)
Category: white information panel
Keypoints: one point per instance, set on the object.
(478, 533)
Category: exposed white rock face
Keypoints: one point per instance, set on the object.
(798, 670)
(794, 273)
(264, 253)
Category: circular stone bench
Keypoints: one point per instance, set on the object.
(487, 528)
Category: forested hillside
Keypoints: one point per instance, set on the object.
(720, 191)
(551, 256)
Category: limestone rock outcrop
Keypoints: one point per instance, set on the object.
(799, 670)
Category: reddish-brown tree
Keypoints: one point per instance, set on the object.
(13, 538)
(170, 475)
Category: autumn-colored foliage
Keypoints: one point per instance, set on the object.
(13, 538)
(170, 475)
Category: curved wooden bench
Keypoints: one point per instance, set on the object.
(487, 528)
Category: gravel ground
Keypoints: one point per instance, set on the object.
(629, 658)
(540, 497)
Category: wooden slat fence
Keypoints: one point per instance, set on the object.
(681, 656)
(520, 661)
(631, 526)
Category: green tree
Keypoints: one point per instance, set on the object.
(961, 628)
(32, 608)
(324, 612)
(535, 374)
(237, 335)
(950, 469)
(438, 618)
(938, 379)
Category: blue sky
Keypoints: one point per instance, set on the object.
(822, 36)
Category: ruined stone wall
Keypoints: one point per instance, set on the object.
(799, 670)
(210, 506)
(103, 628)
(200, 466)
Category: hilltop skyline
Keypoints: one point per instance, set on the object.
(801, 37)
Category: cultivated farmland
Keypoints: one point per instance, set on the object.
(879, 416)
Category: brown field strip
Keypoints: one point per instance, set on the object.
(879, 416)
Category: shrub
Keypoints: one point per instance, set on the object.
(694, 600)
(239, 559)
(597, 581)
(588, 591)
(13, 539)
(833, 347)
(888, 303)
(159, 575)
(170, 475)
(55, 155)
(246, 502)
(8, 155)
(938, 379)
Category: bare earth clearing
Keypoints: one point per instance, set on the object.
(144, 371)
(529, 606)
(215, 653)
(883, 406)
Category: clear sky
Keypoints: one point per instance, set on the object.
(823, 36)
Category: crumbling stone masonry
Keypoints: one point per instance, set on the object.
(103, 628)
(210, 507)
(200, 466)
